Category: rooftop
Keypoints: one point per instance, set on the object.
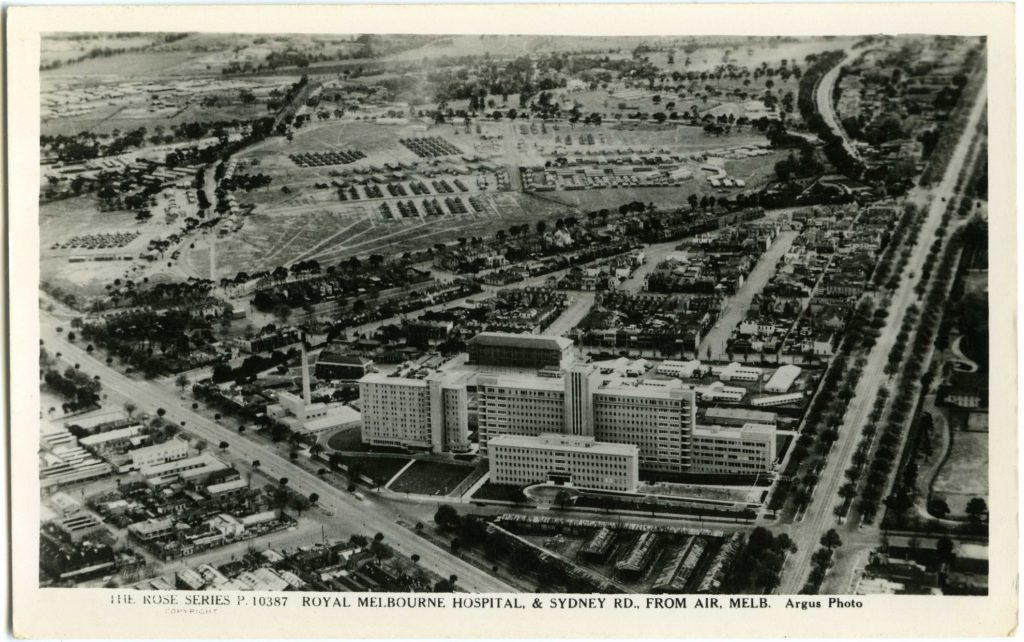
(534, 341)
(336, 358)
(568, 443)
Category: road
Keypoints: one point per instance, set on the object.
(738, 304)
(578, 308)
(367, 514)
(819, 516)
(823, 97)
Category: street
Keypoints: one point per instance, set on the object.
(819, 516)
(366, 513)
(738, 304)
(823, 98)
(579, 306)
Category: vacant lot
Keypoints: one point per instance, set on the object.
(430, 478)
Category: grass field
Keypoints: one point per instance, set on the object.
(379, 469)
(124, 65)
(430, 478)
(965, 473)
(350, 439)
(498, 492)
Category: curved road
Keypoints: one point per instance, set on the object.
(149, 396)
(823, 97)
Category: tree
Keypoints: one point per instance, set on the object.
(381, 550)
(944, 547)
(831, 539)
(976, 509)
(130, 408)
(160, 412)
(938, 507)
(446, 517)
(256, 464)
(283, 481)
(314, 498)
(223, 445)
(563, 499)
(181, 381)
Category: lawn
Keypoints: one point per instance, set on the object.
(965, 473)
(379, 469)
(350, 439)
(500, 492)
(431, 478)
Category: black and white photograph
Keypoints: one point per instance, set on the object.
(693, 320)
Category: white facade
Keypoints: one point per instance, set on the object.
(431, 413)
(579, 461)
(739, 372)
(777, 400)
(396, 411)
(449, 411)
(721, 392)
(681, 369)
(746, 450)
(170, 450)
(519, 405)
(659, 420)
(657, 417)
(181, 469)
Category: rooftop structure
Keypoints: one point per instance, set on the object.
(504, 349)
(782, 379)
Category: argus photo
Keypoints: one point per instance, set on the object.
(513, 314)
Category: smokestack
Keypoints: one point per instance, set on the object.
(307, 396)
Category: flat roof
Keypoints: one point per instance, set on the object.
(756, 416)
(224, 487)
(203, 459)
(103, 437)
(96, 420)
(376, 377)
(522, 381)
(734, 432)
(567, 443)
